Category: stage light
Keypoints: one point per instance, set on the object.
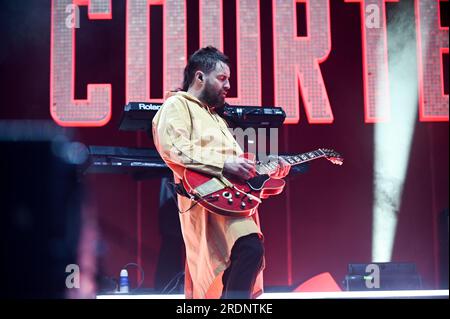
(392, 138)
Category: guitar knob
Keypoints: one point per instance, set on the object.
(230, 201)
(250, 200)
(242, 205)
(227, 195)
(237, 194)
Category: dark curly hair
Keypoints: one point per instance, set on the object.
(205, 60)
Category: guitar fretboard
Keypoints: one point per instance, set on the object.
(266, 168)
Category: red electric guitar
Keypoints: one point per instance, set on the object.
(233, 197)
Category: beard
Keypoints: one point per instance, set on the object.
(211, 97)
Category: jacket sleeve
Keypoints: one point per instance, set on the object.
(172, 134)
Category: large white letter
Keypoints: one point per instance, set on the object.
(248, 64)
(297, 60)
(138, 47)
(64, 109)
(432, 43)
(375, 60)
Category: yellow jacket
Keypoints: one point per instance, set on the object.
(188, 135)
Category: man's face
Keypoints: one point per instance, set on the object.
(216, 86)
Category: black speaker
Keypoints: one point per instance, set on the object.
(382, 276)
(40, 218)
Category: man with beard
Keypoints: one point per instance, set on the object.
(224, 255)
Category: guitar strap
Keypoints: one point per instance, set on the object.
(180, 190)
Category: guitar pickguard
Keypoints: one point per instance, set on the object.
(257, 183)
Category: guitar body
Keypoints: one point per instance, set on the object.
(237, 201)
(236, 198)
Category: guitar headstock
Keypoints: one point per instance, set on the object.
(333, 156)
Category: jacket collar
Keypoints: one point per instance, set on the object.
(190, 97)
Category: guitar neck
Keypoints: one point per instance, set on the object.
(292, 160)
(303, 157)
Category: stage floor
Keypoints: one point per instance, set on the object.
(397, 294)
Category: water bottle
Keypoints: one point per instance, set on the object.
(124, 283)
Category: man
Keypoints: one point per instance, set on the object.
(224, 255)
